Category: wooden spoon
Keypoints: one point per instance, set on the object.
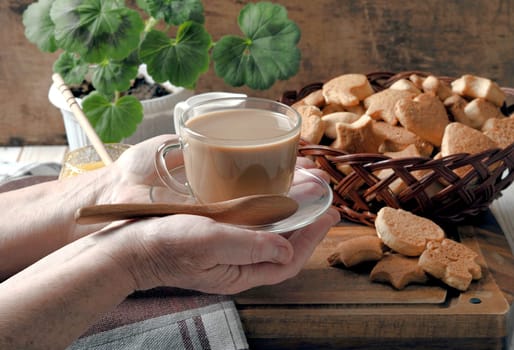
(251, 210)
(82, 119)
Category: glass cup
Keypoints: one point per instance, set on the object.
(86, 158)
(233, 147)
(181, 107)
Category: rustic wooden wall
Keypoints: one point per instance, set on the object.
(449, 37)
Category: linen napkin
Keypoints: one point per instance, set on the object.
(168, 318)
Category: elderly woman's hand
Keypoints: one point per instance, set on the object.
(198, 253)
(133, 175)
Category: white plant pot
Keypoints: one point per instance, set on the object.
(157, 115)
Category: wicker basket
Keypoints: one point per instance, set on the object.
(360, 194)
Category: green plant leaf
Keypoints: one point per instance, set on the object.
(72, 69)
(113, 121)
(110, 76)
(267, 53)
(39, 27)
(181, 60)
(142, 5)
(96, 29)
(176, 12)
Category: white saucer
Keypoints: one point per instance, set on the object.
(313, 194)
(314, 197)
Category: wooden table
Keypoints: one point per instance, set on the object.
(336, 308)
(331, 308)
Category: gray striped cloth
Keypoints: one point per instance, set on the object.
(168, 318)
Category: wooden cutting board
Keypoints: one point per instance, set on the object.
(325, 307)
(318, 283)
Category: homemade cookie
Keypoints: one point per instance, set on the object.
(452, 262)
(479, 110)
(501, 131)
(492, 123)
(474, 113)
(332, 119)
(473, 87)
(404, 232)
(344, 168)
(381, 104)
(356, 137)
(347, 89)
(405, 85)
(357, 109)
(357, 250)
(409, 151)
(332, 108)
(438, 87)
(424, 115)
(460, 138)
(315, 98)
(417, 80)
(305, 110)
(396, 138)
(313, 128)
(455, 104)
(398, 270)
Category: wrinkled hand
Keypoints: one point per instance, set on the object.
(133, 174)
(198, 253)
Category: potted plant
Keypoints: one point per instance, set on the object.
(106, 43)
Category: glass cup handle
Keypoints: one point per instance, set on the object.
(162, 169)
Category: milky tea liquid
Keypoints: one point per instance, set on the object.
(242, 152)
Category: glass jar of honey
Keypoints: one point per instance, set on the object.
(86, 158)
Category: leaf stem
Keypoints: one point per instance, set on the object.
(150, 23)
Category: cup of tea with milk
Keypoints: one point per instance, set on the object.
(233, 147)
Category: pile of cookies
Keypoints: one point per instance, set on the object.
(416, 116)
(407, 248)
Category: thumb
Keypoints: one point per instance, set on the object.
(237, 246)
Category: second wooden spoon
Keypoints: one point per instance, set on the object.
(251, 210)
